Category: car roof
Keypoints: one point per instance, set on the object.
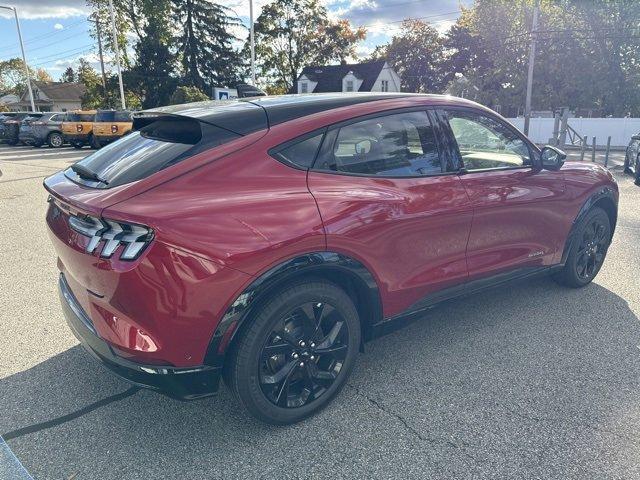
(246, 115)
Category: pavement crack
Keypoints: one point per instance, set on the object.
(70, 416)
(409, 428)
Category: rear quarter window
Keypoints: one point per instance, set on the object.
(156, 146)
(299, 153)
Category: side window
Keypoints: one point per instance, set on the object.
(400, 145)
(302, 153)
(487, 143)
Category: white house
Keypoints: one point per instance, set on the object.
(375, 76)
(52, 96)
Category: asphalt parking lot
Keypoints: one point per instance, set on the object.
(527, 381)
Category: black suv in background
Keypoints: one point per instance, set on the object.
(48, 129)
(11, 127)
(4, 116)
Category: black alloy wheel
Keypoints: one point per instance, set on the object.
(592, 249)
(588, 250)
(297, 352)
(303, 355)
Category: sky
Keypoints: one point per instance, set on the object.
(56, 32)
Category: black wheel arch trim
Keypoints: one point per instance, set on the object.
(321, 264)
(602, 193)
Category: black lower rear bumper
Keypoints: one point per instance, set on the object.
(181, 383)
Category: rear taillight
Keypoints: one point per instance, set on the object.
(79, 128)
(134, 238)
(114, 128)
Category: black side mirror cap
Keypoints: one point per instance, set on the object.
(552, 158)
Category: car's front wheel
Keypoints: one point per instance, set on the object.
(296, 354)
(637, 170)
(588, 250)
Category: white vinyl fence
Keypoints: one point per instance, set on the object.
(620, 129)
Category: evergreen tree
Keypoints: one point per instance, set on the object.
(152, 76)
(204, 44)
(69, 75)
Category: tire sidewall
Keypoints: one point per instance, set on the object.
(51, 137)
(594, 213)
(247, 372)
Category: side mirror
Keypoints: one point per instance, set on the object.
(552, 158)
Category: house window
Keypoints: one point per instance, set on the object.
(304, 87)
(349, 86)
(384, 85)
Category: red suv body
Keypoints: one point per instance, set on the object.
(176, 243)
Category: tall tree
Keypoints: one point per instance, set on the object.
(68, 76)
(290, 34)
(152, 75)
(204, 44)
(43, 76)
(417, 55)
(12, 79)
(586, 54)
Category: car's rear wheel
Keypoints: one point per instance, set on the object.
(588, 250)
(55, 140)
(627, 162)
(637, 170)
(296, 354)
(93, 142)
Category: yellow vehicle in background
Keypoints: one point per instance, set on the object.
(110, 125)
(77, 128)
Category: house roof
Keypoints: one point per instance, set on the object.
(60, 90)
(329, 77)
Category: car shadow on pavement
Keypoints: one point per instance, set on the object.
(529, 378)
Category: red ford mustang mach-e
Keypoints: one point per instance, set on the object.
(265, 240)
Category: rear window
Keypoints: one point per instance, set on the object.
(106, 116)
(113, 116)
(80, 117)
(158, 145)
(31, 118)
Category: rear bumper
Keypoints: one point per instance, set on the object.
(187, 383)
(107, 138)
(76, 137)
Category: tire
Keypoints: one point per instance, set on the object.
(55, 140)
(275, 374)
(627, 162)
(588, 250)
(93, 142)
(77, 145)
(637, 171)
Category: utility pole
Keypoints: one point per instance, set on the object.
(532, 56)
(117, 52)
(24, 57)
(253, 48)
(104, 77)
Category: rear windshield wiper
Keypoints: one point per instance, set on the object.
(87, 173)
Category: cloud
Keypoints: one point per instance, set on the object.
(384, 16)
(58, 26)
(37, 9)
(92, 58)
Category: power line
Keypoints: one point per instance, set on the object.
(45, 35)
